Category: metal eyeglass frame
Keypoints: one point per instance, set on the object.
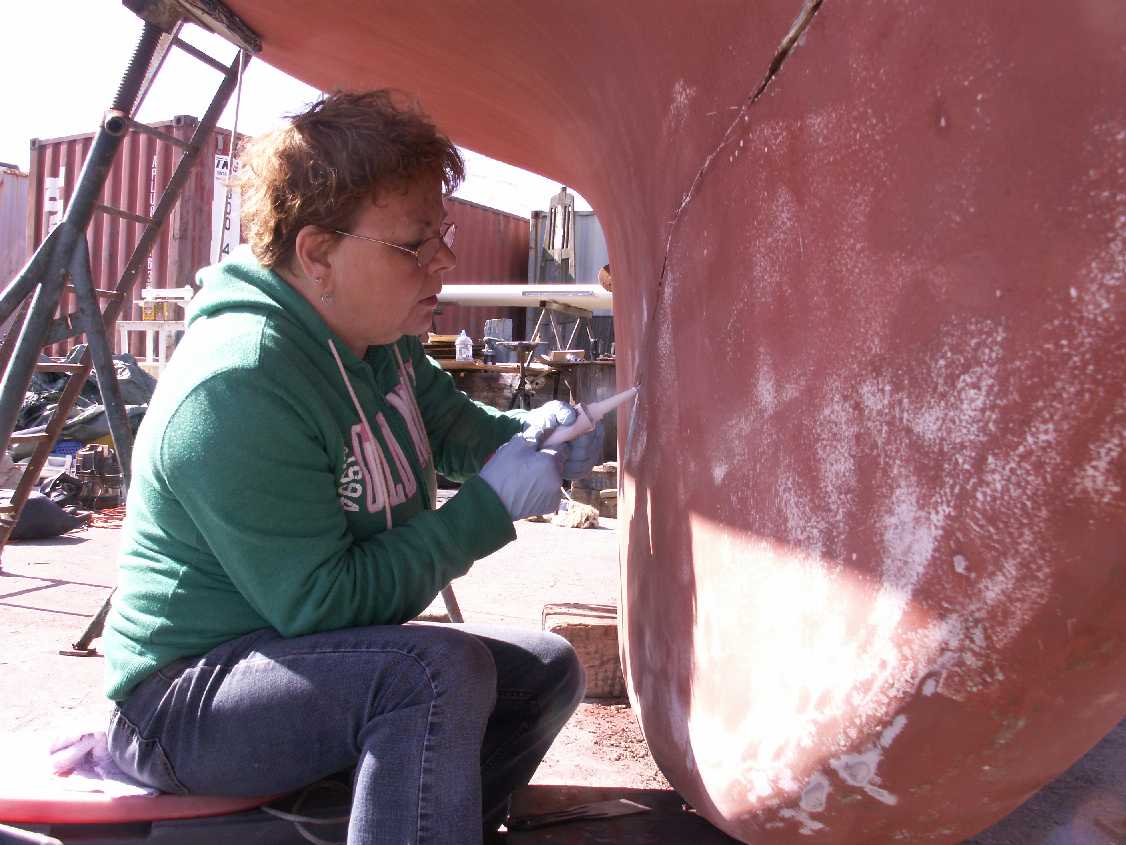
(445, 236)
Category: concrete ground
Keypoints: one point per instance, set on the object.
(49, 591)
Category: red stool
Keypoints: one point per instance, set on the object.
(95, 808)
(95, 817)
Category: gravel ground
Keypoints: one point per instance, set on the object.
(602, 745)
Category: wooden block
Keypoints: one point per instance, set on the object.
(584, 494)
(592, 629)
(592, 489)
(608, 503)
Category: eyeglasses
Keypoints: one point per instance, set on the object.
(427, 250)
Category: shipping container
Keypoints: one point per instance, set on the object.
(13, 222)
(491, 247)
(144, 164)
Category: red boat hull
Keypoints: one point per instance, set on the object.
(872, 288)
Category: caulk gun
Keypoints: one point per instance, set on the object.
(588, 416)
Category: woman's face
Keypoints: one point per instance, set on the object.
(379, 293)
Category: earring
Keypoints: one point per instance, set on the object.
(326, 298)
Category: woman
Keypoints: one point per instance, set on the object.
(281, 525)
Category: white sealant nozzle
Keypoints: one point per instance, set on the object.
(588, 418)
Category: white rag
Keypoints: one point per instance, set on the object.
(71, 762)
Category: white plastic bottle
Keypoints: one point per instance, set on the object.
(463, 347)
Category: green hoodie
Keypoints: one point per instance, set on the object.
(257, 499)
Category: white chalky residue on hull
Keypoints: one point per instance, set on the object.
(860, 769)
(955, 654)
(912, 523)
(679, 102)
(773, 257)
(816, 793)
(857, 769)
(998, 488)
(893, 730)
(764, 387)
(880, 669)
(720, 468)
(837, 429)
(821, 665)
(881, 794)
(764, 756)
(729, 444)
(809, 825)
(804, 529)
(1099, 477)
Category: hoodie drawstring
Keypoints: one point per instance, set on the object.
(422, 446)
(384, 481)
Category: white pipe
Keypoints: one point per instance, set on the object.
(589, 297)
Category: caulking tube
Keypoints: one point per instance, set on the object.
(589, 415)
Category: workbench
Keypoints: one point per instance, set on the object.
(496, 384)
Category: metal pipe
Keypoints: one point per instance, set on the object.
(199, 54)
(585, 296)
(134, 76)
(116, 122)
(453, 609)
(100, 160)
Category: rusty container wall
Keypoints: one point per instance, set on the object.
(491, 246)
(142, 170)
(13, 222)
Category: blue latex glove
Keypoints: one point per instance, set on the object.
(525, 479)
(540, 422)
(579, 455)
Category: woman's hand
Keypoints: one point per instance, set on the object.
(540, 422)
(525, 479)
(579, 455)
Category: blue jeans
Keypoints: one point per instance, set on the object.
(439, 722)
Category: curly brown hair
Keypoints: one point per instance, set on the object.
(347, 148)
